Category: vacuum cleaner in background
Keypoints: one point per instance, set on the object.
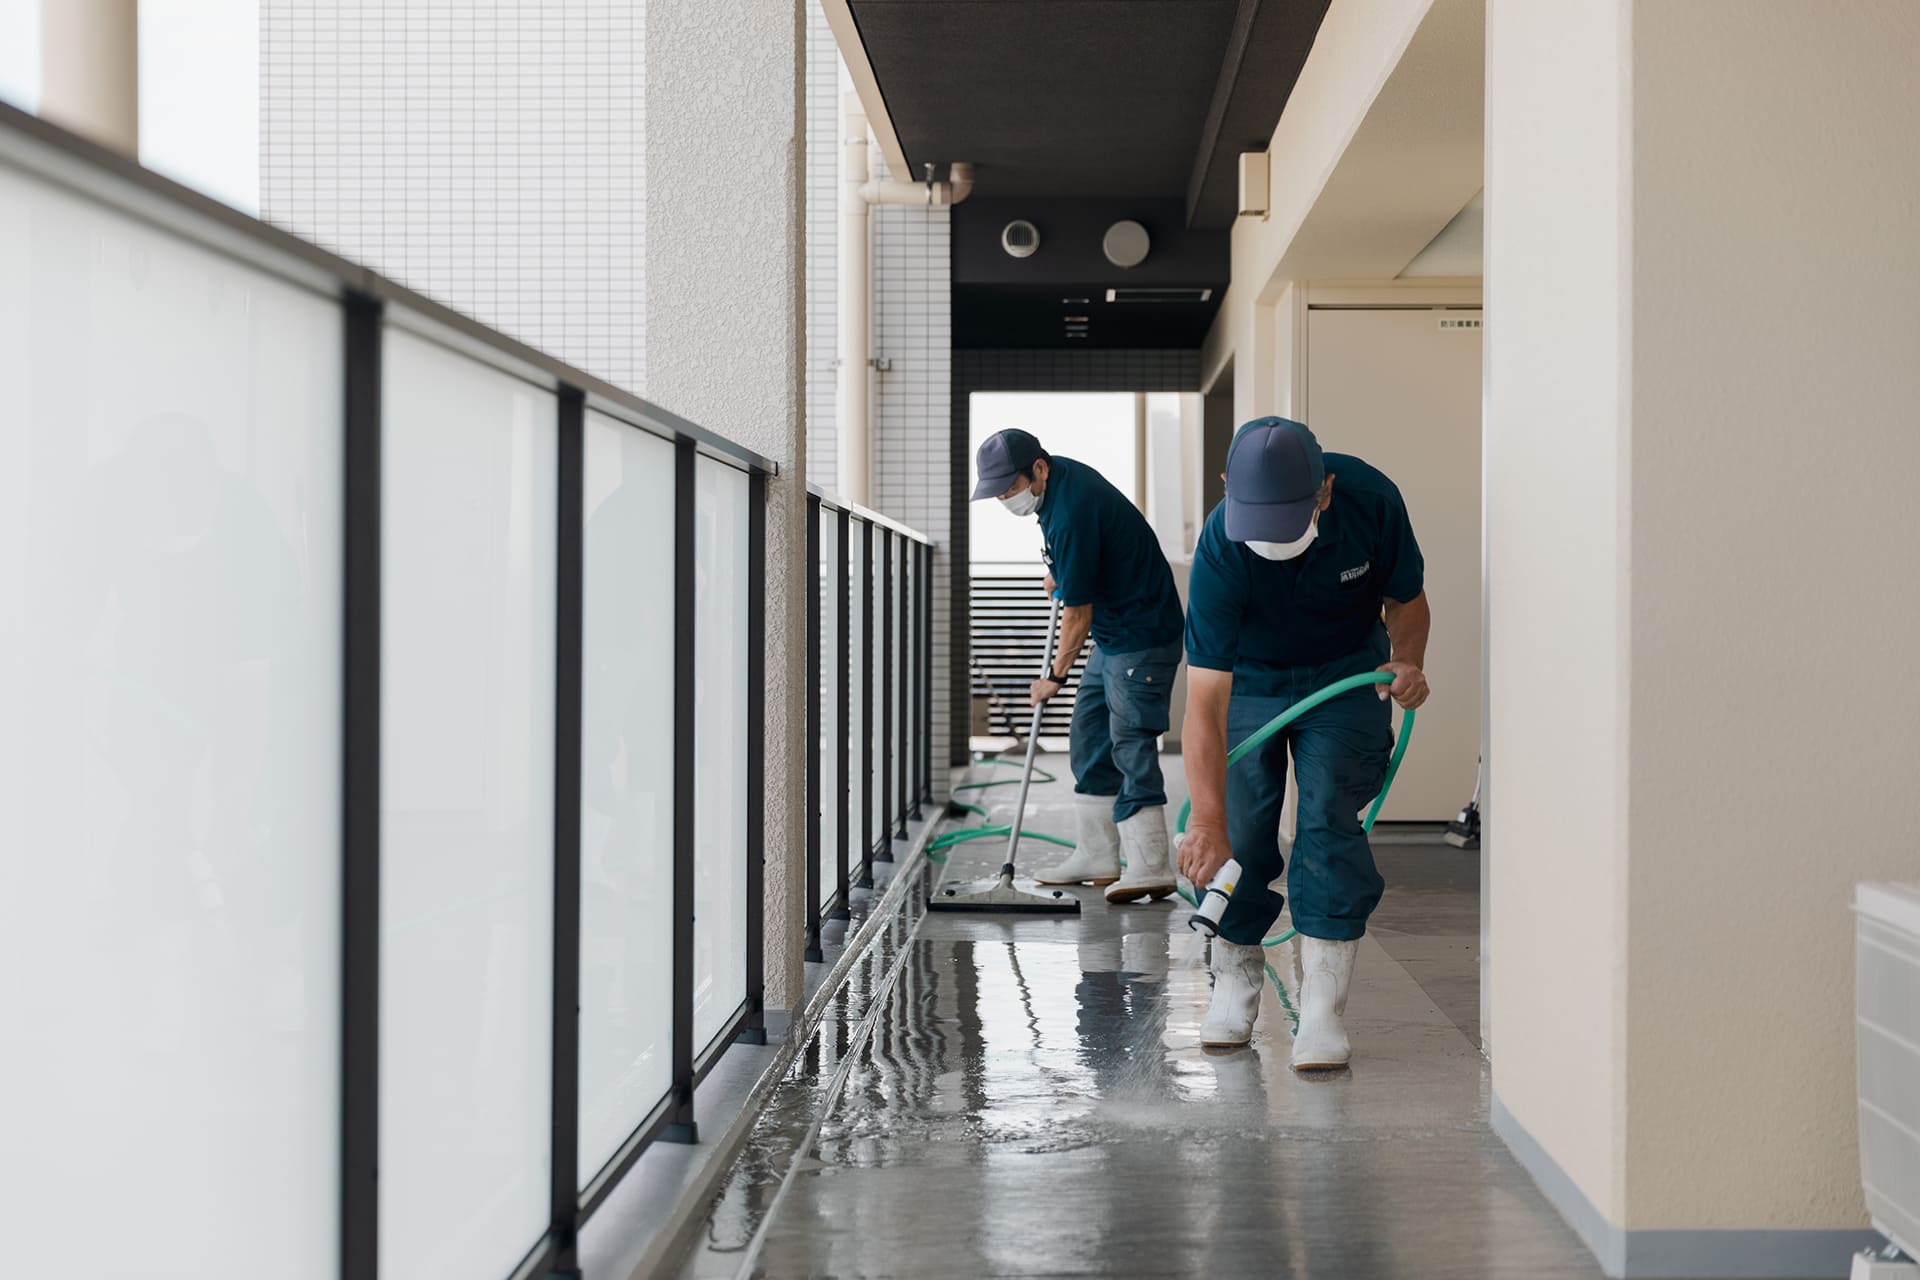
(1001, 893)
(1464, 831)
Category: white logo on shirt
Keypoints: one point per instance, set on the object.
(1348, 575)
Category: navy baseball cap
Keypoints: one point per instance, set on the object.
(1274, 475)
(1002, 457)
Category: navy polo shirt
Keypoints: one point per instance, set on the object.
(1247, 613)
(1103, 553)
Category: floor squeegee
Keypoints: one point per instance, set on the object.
(1001, 893)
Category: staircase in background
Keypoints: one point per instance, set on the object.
(1009, 636)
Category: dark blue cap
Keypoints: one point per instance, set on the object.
(1003, 456)
(1274, 474)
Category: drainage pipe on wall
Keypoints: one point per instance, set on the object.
(858, 193)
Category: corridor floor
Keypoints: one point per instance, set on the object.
(1026, 1096)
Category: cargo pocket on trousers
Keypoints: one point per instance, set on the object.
(1148, 692)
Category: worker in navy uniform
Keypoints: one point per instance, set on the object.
(1106, 567)
(1307, 573)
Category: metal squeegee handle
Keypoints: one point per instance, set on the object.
(1033, 743)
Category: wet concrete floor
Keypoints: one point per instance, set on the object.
(1026, 1096)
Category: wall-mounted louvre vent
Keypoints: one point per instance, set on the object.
(1159, 295)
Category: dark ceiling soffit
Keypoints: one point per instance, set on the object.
(1204, 157)
(1279, 39)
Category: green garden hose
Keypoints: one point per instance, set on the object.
(1280, 722)
(939, 844)
(1234, 757)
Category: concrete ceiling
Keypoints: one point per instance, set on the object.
(1121, 99)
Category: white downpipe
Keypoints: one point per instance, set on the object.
(858, 193)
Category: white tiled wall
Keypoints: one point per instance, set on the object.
(823, 214)
(912, 399)
(490, 154)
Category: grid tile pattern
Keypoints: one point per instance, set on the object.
(823, 234)
(913, 477)
(490, 154)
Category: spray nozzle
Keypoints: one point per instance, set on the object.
(1213, 902)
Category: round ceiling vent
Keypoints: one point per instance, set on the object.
(1020, 238)
(1126, 244)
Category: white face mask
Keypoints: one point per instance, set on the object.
(1023, 503)
(1287, 550)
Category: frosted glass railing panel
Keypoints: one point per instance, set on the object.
(170, 587)
(626, 769)
(828, 754)
(857, 687)
(467, 675)
(721, 498)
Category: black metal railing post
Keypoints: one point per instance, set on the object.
(883, 852)
(564, 1201)
(843, 738)
(923, 723)
(926, 679)
(754, 1029)
(360, 798)
(868, 791)
(681, 1127)
(903, 693)
(815, 738)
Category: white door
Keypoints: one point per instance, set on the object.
(1401, 390)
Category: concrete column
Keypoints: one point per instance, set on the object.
(90, 69)
(725, 270)
(1700, 467)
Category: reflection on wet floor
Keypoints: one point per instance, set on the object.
(1013, 1096)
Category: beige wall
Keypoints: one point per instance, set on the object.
(1359, 44)
(1391, 386)
(1699, 396)
(1556, 455)
(1775, 376)
(1701, 454)
(1377, 151)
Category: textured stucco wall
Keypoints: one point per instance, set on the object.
(911, 309)
(725, 272)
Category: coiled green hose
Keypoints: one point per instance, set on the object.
(1286, 718)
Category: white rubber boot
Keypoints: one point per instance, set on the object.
(1095, 858)
(1238, 972)
(1143, 846)
(1326, 970)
